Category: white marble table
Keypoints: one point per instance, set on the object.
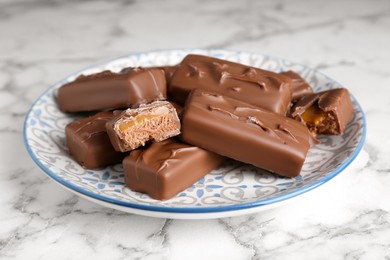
(43, 41)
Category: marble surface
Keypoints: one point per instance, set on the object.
(43, 41)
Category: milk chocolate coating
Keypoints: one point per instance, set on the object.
(88, 142)
(165, 168)
(255, 86)
(108, 90)
(156, 128)
(335, 102)
(168, 70)
(300, 88)
(245, 133)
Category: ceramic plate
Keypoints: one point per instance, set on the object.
(232, 189)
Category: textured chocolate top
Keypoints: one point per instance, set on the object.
(108, 90)
(300, 88)
(88, 142)
(255, 86)
(165, 168)
(246, 133)
(336, 101)
(89, 127)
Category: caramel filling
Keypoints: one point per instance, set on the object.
(125, 125)
(140, 118)
(314, 115)
(320, 122)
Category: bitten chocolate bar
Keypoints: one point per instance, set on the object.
(165, 168)
(257, 87)
(300, 88)
(108, 90)
(88, 142)
(132, 128)
(327, 112)
(246, 133)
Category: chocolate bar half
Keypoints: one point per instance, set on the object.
(245, 133)
(261, 88)
(326, 112)
(109, 90)
(132, 128)
(88, 142)
(163, 169)
(299, 86)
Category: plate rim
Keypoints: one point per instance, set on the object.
(192, 210)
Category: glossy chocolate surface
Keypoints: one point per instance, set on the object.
(168, 70)
(336, 105)
(165, 168)
(132, 128)
(299, 86)
(255, 86)
(88, 142)
(245, 133)
(108, 90)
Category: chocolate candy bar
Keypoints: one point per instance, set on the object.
(88, 142)
(245, 133)
(300, 88)
(108, 90)
(326, 112)
(255, 86)
(134, 127)
(165, 168)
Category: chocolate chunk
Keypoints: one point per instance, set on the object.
(165, 168)
(325, 112)
(88, 142)
(132, 128)
(246, 133)
(108, 90)
(255, 86)
(300, 88)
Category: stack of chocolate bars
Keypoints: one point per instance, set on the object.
(170, 126)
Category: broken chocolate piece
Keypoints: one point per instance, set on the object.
(325, 112)
(300, 88)
(165, 168)
(88, 142)
(245, 133)
(109, 90)
(261, 88)
(134, 127)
